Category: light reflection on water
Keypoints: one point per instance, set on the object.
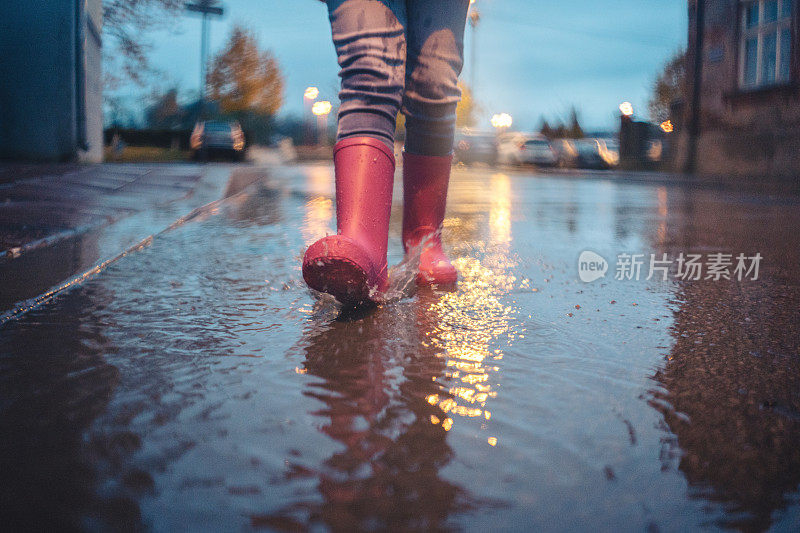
(466, 323)
(500, 213)
(470, 320)
(319, 209)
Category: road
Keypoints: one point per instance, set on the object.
(196, 384)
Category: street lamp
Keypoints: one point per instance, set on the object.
(474, 18)
(502, 120)
(322, 109)
(309, 95)
(206, 8)
(629, 151)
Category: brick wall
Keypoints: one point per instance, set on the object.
(746, 133)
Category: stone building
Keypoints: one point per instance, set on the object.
(742, 110)
(51, 80)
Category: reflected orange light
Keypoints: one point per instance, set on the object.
(468, 321)
(319, 210)
(663, 211)
(667, 126)
(471, 320)
(500, 213)
(661, 193)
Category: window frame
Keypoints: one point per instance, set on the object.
(760, 31)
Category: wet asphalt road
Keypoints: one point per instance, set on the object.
(198, 385)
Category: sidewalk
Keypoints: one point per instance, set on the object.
(63, 221)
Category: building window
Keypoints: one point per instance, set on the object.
(766, 44)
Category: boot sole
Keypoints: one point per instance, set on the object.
(338, 266)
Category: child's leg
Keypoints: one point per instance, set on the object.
(370, 42)
(435, 35)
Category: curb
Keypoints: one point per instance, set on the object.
(210, 191)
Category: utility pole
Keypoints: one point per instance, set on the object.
(694, 114)
(474, 18)
(206, 8)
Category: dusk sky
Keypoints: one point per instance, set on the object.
(534, 58)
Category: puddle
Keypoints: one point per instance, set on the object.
(198, 384)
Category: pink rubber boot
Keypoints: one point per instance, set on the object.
(425, 180)
(351, 265)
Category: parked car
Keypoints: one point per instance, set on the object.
(539, 152)
(509, 146)
(587, 153)
(525, 149)
(475, 147)
(609, 151)
(565, 151)
(213, 137)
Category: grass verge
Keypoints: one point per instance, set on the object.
(145, 154)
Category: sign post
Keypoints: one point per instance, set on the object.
(206, 8)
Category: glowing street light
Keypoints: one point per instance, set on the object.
(322, 109)
(626, 108)
(667, 126)
(309, 95)
(502, 120)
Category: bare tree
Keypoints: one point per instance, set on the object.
(668, 87)
(165, 112)
(126, 24)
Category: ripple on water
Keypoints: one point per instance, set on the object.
(199, 385)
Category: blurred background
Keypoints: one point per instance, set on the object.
(152, 70)
(640, 84)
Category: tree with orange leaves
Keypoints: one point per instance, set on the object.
(244, 79)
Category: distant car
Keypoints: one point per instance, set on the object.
(509, 146)
(590, 154)
(539, 152)
(587, 153)
(525, 149)
(566, 153)
(213, 137)
(609, 151)
(475, 147)
(515, 148)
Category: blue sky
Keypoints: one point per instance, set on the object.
(534, 57)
